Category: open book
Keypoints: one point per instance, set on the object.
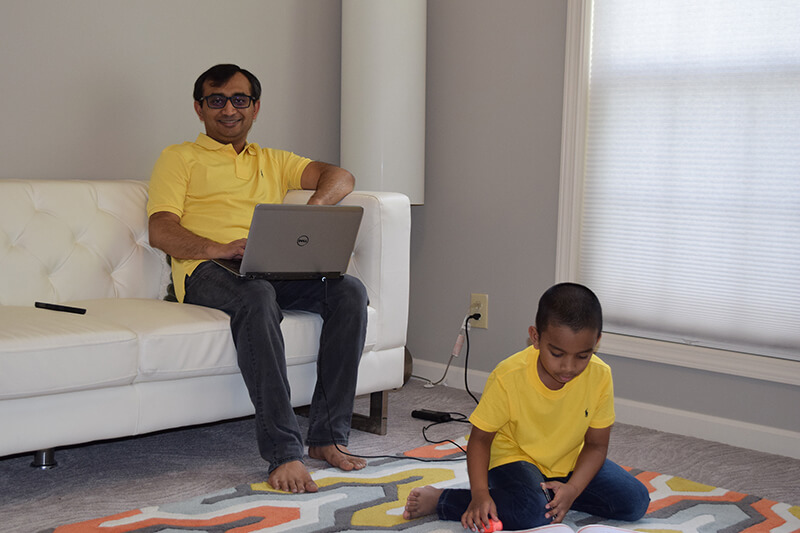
(592, 528)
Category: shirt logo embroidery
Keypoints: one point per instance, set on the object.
(586, 414)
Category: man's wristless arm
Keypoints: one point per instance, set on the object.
(329, 182)
(168, 235)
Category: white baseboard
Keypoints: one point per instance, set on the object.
(727, 431)
(455, 375)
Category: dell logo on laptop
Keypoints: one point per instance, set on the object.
(302, 240)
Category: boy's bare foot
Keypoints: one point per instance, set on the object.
(421, 501)
(292, 477)
(334, 457)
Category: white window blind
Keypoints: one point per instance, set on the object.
(690, 215)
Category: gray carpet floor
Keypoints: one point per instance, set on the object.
(104, 478)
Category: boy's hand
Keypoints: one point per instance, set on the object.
(565, 494)
(481, 511)
(589, 462)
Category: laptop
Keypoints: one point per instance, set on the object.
(298, 242)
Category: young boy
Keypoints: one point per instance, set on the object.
(543, 424)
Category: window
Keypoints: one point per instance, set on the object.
(681, 178)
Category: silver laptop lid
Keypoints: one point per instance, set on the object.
(288, 241)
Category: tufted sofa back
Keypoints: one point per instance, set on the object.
(66, 240)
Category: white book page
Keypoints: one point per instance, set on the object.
(563, 528)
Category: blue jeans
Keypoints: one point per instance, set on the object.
(255, 308)
(516, 490)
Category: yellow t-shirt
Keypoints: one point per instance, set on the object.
(214, 190)
(539, 425)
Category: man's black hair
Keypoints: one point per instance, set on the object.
(219, 75)
(571, 305)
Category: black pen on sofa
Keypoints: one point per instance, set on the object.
(57, 307)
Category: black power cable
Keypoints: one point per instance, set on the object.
(462, 419)
(475, 316)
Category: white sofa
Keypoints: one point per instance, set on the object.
(135, 363)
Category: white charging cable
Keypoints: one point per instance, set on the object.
(457, 347)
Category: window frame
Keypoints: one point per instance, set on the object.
(573, 147)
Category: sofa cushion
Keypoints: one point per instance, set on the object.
(48, 352)
(125, 340)
(175, 340)
(301, 331)
(185, 340)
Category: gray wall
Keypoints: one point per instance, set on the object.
(96, 88)
(495, 83)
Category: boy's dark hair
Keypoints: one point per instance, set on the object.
(571, 305)
(219, 75)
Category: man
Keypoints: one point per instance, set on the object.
(202, 196)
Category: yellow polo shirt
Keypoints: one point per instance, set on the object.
(539, 425)
(214, 190)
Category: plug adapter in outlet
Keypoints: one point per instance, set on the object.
(479, 303)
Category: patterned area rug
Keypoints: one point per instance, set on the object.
(372, 500)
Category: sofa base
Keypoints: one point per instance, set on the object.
(378, 416)
(375, 422)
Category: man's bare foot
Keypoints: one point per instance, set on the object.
(334, 457)
(421, 501)
(292, 477)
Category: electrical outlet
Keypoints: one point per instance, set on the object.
(479, 303)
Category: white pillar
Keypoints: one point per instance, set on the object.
(383, 95)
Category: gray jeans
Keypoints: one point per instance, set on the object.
(255, 308)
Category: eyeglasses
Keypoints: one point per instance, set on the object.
(218, 101)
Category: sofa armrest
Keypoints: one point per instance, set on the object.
(381, 258)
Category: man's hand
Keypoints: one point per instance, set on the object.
(232, 250)
(480, 512)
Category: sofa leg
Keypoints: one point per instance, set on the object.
(378, 416)
(45, 459)
(375, 422)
